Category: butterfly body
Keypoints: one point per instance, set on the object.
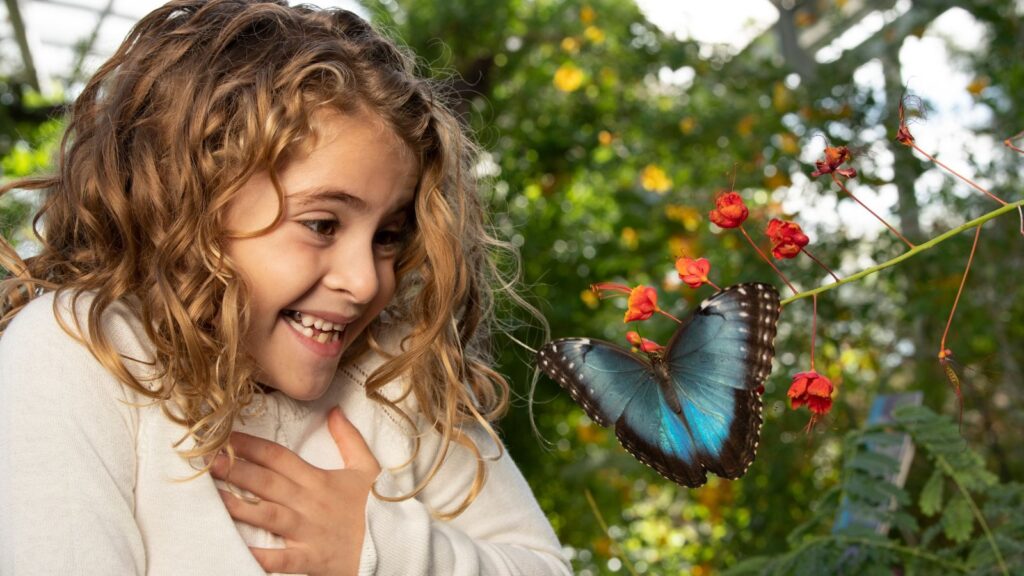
(696, 406)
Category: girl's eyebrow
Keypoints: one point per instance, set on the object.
(354, 202)
(319, 194)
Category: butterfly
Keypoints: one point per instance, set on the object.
(692, 408)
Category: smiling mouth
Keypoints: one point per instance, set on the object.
(317, 329)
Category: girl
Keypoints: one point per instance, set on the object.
(259, 216)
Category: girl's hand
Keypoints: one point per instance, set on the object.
(319, 513)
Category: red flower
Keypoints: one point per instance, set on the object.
(693, 272)
(903, 135)
(643, 300)
(787, 238)
(643, 343)
(812, 389)
(643, 303)
(730, 211)
(834, 158)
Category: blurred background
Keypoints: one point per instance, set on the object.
(608, 127)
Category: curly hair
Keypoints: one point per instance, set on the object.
(200, 96)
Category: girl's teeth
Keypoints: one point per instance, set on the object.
(319, 324)
(307, 332)
(322, 337)
(307, 320)
(327, 327)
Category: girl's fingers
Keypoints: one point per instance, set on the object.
(274, 456)
(282, 560)
(353, 448)
(264, 514)
(265, 483)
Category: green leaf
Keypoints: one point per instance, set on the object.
(957, 521)
(931, 494)
(874, 463)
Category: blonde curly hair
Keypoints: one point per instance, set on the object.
(200, 96)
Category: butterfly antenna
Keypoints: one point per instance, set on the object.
(522, 344)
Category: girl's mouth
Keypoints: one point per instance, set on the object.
(315, 330)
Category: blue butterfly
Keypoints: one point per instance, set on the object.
(694, 407)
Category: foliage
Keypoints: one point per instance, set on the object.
(606, 141)
(603, 171)
(28, 143)
(949, 532)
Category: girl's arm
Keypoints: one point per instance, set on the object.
(503, 532)
(67, 456)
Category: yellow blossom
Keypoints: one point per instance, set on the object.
(686, 125)
(570, 45)
(590, 299)
(653, 178)
(804, 19)
(594, 34)
(777, 180)
(605, 137)
(681, 245)
(782, 98)
(788, 143)
(688, 216)
(568, 77)
(978, 85)
(587, 15)
(745, 127)
(630, 239)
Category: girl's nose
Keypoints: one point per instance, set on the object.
(353, 271)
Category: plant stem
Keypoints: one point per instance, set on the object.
(909, 253)
(814, 328)
(667, 315)
(977, 513)
(604, 527)
(865, 206)
(967, 180)
(902, 550)
(963, 281)
(1009, 141)
(765, 258)
(820, 263)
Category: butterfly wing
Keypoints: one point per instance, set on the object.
(718, 362)
(600, 376)
(652, 432)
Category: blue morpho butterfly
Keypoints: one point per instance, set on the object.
(692, 408)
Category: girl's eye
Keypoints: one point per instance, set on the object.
(391, 241)
(321, 227)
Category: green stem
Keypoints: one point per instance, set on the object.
(977, 513)
(909, 253)
(902, 550)
(604, 527)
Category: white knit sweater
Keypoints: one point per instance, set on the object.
(87, 481)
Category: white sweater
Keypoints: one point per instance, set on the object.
(87, 481)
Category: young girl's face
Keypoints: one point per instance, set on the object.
(319, 277)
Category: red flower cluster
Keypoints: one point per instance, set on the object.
(642, 344)
(812, 389)
(787, 238)
(693, 272)
(834, 158)
(730, 211)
